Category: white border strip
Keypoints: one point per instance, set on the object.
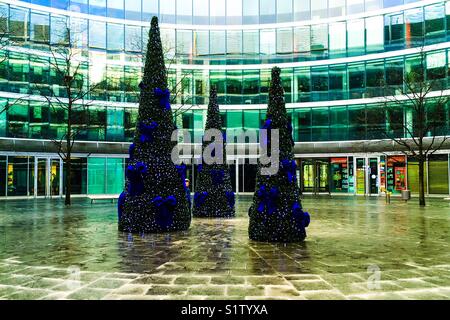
(298, 105)
(300, 64)
(223, 27)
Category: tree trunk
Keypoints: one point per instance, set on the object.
(68, 162)
(68, 159)
(421, 181)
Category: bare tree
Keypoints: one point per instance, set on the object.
(71, 94)
(178, 88)
(416, 113)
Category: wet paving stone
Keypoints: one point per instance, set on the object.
(353, 243)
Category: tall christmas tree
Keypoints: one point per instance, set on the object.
(276, 213)
(154, 199)
(214, 196)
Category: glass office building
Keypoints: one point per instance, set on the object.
(337, 57)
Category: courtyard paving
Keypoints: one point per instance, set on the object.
(357, 248)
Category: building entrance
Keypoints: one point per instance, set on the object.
(315, 175)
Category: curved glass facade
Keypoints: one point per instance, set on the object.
(337, 58)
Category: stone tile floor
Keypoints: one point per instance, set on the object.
(357, 248)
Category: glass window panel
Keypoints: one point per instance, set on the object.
(184, 11)
(355, 6)
(217, 42)
(251, 119)
(79, 33)
(18, 24)
(133, 9)
(250, 86)
(234, 11)
(394, 31)
(234, 120)
(320, 124)
(355, 31)
(133, 39)
(167, 11)
(250, 10)
(217, 12)
(96, 175)
(59, 25)
(218, 80)
(338, 123)
(17, 183)
(201, 43)
(97, 7)
(394, 74)
(115, 9)
(302, 41)
(374, 34)
(286, 82)
(302, 84)
(78, 6)
(304, 124)
(434, 22)
(18, 122)
(251, 42)
(356, 123)
(319, 83)
(336, 8)
(392, 3)
(3, 179)
(265, 75)
(376, 122)
(436, 65)
(267, 41)
(267, 11)
(375, 78)
(184, 42)
(414, 27)
(40, 27)
(234, 42)
(167, 39)
(356, 80)
(373, 5)
(302, 10)
(319, 9)
(319, 40)
(115, 175)
(284, 10)
(150, 8)
(338, 82)
(201, 11)
(284, 41)
(338, 40)
(438, 174)
(234, 87)
(115, 37)
(97, 34)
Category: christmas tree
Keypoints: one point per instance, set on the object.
(154, 199)
(214, 196)
(276, 213)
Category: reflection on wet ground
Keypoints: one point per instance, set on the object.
(350, 241)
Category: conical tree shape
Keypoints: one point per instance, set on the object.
(276, 214)
(154, 199)
(214, 196)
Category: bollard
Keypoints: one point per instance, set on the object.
(388, 197)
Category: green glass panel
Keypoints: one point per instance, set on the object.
(96, 175)
(413, 176)
(115, 175)
(438, 174)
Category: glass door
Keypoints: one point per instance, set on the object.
(373, 176)
(360, 176)
(308, 175)
(41, 177)
(322, 184)
(55, 178)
